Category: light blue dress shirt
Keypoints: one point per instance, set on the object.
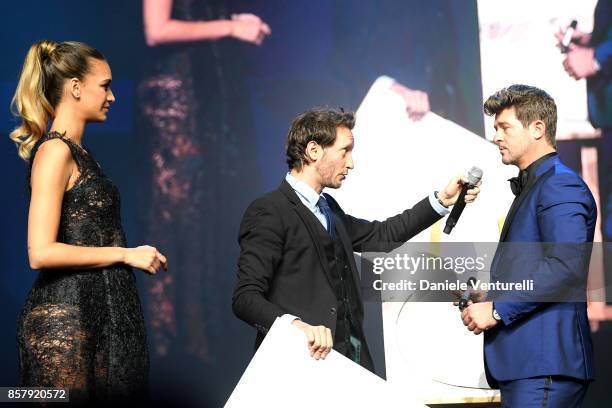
(309, 197)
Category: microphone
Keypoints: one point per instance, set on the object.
(474, 176)
(567, 36)
(465, 297)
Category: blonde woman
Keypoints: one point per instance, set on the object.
(82, 326)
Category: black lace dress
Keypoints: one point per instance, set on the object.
(197, 132)
(83, 329)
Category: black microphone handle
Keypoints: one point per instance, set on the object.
(465, 297)
(457, 209)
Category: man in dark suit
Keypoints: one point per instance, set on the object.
(296, 260)
(537, 342)
(428, 53)
(590, 57)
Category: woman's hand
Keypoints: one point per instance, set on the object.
(249, 28)
(145, 257)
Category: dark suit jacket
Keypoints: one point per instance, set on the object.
(431, 46)
(542, 332)
(282, 267)
(599, 86)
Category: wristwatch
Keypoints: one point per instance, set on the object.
(596, 66)
(496, 315)
(440, 201)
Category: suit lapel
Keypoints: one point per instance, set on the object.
(512, 211)
(543, 168)
(310, 221)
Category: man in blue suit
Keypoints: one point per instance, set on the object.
(590, 57)
(537, 344)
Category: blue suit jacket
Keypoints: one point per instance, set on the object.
(599, 86)
(538, 338)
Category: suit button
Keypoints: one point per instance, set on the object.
(333, 310)
(346, 267)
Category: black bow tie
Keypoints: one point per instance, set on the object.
(517, 184)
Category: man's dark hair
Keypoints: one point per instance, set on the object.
(529, 103)
(318, 125)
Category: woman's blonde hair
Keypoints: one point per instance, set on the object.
(47, 65)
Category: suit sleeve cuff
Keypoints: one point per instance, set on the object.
(439, 208)
(502, 309)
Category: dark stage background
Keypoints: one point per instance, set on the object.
(320, 53)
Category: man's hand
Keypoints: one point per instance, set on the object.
(580, 62)
(478, 317)
(578, 37)
(320, 341)
(417, 102)
(476, 296)
(451, 192)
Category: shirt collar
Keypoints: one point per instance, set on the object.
(533, 167)
(307, 193)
